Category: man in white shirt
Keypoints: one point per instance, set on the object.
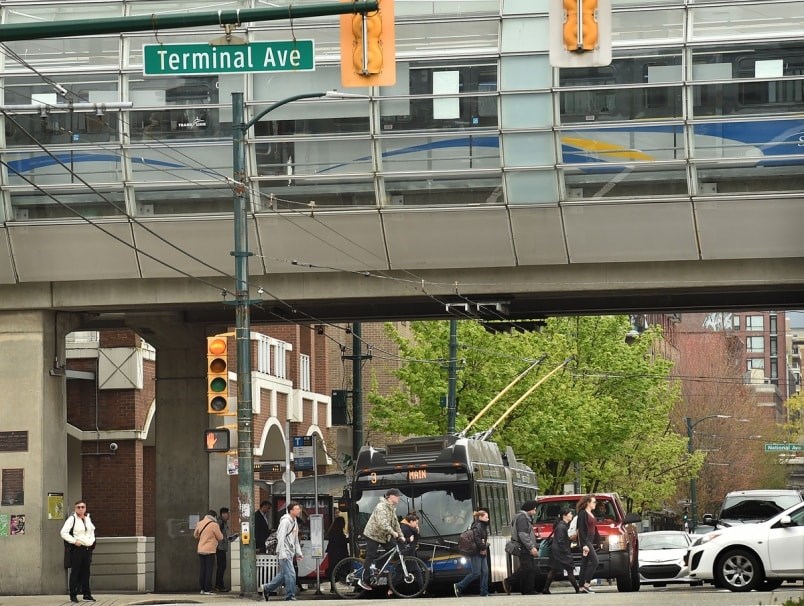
(288, 550)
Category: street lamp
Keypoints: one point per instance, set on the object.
(693, 480)
(245, 477)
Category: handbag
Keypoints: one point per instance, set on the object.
(513, 548)
(68, 555)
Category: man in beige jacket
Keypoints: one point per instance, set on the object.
(208, 534)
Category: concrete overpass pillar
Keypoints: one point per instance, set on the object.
(182, 465)
(33, 407)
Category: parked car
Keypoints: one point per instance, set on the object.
(752, 556)
(619, 553)
(750, 506)
(661, 558)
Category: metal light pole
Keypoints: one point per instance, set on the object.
(452, 381)
(245, 449)
(693, 479)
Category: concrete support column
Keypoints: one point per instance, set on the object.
(31, 344)
(182, 465)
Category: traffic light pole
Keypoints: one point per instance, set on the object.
(245, 453)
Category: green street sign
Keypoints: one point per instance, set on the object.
(195, 59)
(783, 447)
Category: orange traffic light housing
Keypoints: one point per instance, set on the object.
(368, 49)
(581, 28)
(217, 376)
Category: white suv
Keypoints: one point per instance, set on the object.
(752, 556)
(750, 506)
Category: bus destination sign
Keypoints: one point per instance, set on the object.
(194, 59)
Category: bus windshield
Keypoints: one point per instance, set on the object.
(444, 509)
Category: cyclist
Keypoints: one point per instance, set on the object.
(381, 527)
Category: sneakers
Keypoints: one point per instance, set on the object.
(585, 590)
(290, 598)
(506, 584)
(207, 593)
(457, 590)
(363, 585)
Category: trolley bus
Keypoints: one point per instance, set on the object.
(444, 479)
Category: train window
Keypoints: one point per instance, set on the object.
(187, 119)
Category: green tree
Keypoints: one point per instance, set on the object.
(607, 409)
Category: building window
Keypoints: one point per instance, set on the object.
(754, 323)
(304, 372)
(774, 369)
(755, 344)
(772, 321)
(756, 364)
(774, 346)
(735, 322)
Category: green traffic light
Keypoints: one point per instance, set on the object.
(218, 384)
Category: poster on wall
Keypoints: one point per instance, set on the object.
(55, 506)
(17, 524)
(12, 491)
(5, 522)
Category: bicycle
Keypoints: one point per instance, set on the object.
(406, 576)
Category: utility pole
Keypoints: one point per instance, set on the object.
(357, 388)
(452, 380)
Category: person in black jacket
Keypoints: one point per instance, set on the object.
(588, 537)
(479, 562)
(410, 532)
(560, 554)
(337, 546)
(523, 533)
(262, 526)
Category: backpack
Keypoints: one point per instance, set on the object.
(573, 529)
(270, 543)
(466, 542)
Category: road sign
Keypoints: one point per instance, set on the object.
(303, 453)
(190, 59)
(783, 447)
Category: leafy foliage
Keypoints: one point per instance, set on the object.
(607, 408)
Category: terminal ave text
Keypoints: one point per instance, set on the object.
(183, 59)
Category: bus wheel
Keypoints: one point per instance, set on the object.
(345, 576)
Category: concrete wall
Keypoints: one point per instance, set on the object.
(123, 564)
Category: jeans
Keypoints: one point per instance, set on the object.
(286, 576)
(480, 568)
(588, 565)
(372, 547)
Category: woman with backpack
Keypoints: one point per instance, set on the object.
(479, 549)
(560, 554)
(588, 537)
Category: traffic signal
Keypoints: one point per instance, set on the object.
(216, 440)
(580, 33)
(217, 376)
(368, 54)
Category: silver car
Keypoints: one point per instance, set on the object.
(661, 558)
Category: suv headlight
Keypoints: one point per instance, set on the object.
(616, 542)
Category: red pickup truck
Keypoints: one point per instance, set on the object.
(619, 552)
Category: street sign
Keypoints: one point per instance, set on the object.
(783, 447)
(303, 453)
(193, 59)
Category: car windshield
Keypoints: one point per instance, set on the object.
(663, 541)
(550, 510)
(747, 508)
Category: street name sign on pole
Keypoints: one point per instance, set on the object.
(194, 59)
(783, 447)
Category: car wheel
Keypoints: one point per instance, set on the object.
(739, 570)
(636, 581)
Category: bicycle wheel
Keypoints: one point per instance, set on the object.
(345, 576)
(414, 583)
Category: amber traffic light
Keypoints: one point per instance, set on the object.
(217, 376)
(581, 30)
(368, 55)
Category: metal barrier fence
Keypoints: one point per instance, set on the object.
(267, 567)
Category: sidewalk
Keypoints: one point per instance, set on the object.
(154, 599)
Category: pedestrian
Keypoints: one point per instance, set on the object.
(588, 538)
(381, 527)
(79, 532)
(288, 550)
(337, 547)
(262, 525)
(222, 552)
(560, 554)
(209, 535)
(478, 561)
(522, 532)
(410, 532)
